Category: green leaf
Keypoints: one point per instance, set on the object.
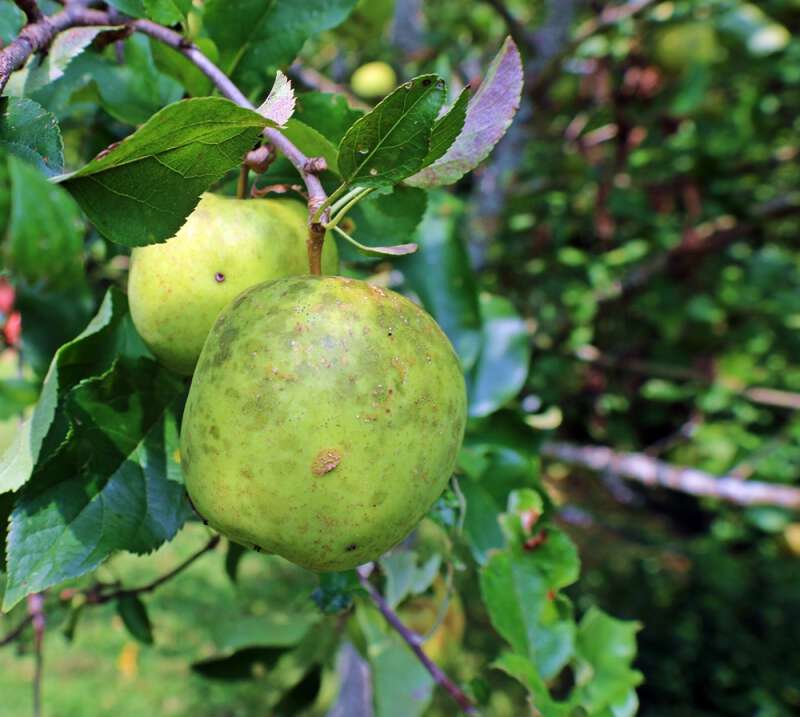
(481, 524)
(606, 649)
(447, 128)
(241, 665)
(91, 353)
(312, 143)
(522, 609)
(28, 131)
(387, 218)
(502, 366)
(113, 486)
(391, 142)
(402, 686)
(134, 8)
(135, 618)
(41, 70)
(488, 117)
(329, 114)
(336, 590)
(440, 274)
(132, 92)
(11, 21)
(397, 250)
(142, 191)
(51, 319)
(405, 577)
(522, 669)
(44, 241)
(257, 37)
(233, 558)
(167, 12)
(184, 70)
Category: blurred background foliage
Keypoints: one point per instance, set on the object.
(623, 271)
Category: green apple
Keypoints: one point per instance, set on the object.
(690, 43)
(374, 79)
(177, 289)
(323, 421)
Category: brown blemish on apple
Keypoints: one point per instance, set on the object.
(327, 459)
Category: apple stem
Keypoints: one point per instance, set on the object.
(241, 185)
(315, 244)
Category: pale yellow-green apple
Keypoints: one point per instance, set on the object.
(690, 43)
(323, 421)
(374, 79)
(177, 289)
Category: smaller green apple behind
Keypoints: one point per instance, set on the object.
(178, 288)
(323, 421)
(373, 80)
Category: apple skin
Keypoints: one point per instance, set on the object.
(323, 421)
(374, 79)
(177, 289)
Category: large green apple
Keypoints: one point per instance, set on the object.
(323, 421)
(177, 289)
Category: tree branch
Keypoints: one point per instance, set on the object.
(775, 397)
(36, 612)
(38, 35)
(519, 33)
(158, 582)
(16, 632)
(412, 641)
(652, 472)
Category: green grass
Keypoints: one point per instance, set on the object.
(193, 617)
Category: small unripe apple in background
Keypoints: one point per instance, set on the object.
(690, 43)
(178, 288)
(374, 79)
(323, 421)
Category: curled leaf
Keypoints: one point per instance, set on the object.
(279, 105)
(397, 250)
(489, 115)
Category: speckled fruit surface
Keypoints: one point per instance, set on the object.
(323, 421)
(177, 289)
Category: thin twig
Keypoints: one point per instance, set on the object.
(37, 35)
(36, 611)
(650, 471)
(241, 183)
(519, 33)
(151, 586)
(412, 641)
(16, 632)
(774, 397)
